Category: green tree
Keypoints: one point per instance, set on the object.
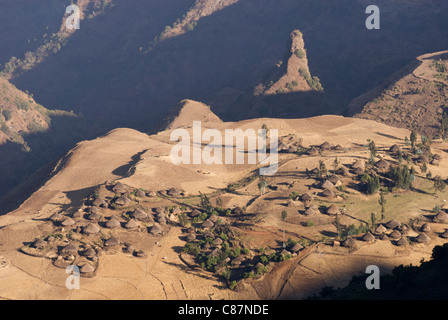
(413, 138)
(284, 215)
(262, 184)
(439, 184)
(371, 184)
(382, 202)
(372, 148)
(373, 219)
(335, 164)
(401, 176)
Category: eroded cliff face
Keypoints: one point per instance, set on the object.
(415, 99)
(201, 9)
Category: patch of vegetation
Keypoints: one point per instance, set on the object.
(299, 53)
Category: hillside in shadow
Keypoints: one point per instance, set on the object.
(102, 73)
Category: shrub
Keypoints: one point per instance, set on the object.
(293, 195)
(7, 114)
(371, 184)
(299, 53)
(401, 176)
(284, 214)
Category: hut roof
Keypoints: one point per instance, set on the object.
(422, 159)
(209, 235)
(129, 249)
(402, 242)
(384, 237)
(358, 164)
(214, 218)
(208, 224)
(87, 268)
(368, 237)
(338, 147)
(334, 179)
(89, 253)
(344, 171)
(445, 234)
(297, 247)
(313, 151)
(395, 148)
(206, 246)
(190, 237)
(382, 164)
(131, 224)
(310, 211)
(349, 242)
(78, 214)
(328, 193)
(215, 252)
(238, 211)
(282, 147)
(217, 241)
(307, 197)
(326, 146)
(195, 213)
(141, 254)
(98, 202)
(395, 234)
(333, 209)
(442, 216)
(426, 228)
(140, 193)
(112, 242)
(152, 194)
(70, 248)
(56, 217)
(91, 229)
(190, 230)
(123, 201)
(93, 210)
(119, 187)
(327, 185)
(392, 224)
(160, 210)
(68, 222)
(359, 171)
(380, 229)
(422, 237)
(39, 244)
(94, 216)
(156, 229)
(174, 192)
(112, 223)
(238, 260)
(176, 210)
(139, 214)
(258, 265)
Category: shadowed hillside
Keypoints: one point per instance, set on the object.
(232, 48)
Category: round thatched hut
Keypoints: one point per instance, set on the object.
(422, 238)
(91, 229)
(368, 237)
(349, 242)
